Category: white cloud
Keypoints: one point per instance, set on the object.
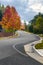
(5, 0)
(23, 0)
(8, 0)
(22, 21)
(32, 1)
(26, 8)
(38, 7)
(35, 6)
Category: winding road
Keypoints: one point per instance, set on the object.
(9, 56)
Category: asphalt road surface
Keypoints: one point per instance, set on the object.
(9, 56)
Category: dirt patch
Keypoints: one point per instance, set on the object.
(5, 34)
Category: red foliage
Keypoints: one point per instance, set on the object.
(11, 18)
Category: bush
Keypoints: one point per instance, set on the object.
(39, 46)
(10, 30)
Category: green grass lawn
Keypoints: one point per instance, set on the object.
(39, 46)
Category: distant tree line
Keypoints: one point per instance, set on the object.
(37, 24)
(2, 10)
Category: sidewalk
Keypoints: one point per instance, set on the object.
(29, 50)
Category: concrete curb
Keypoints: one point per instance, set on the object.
(35, 54)
(19, 51)
(14, 47)
(26, 55)
(35, 50)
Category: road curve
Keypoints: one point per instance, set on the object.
(9, 56)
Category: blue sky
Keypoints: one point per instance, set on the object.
(27, 9)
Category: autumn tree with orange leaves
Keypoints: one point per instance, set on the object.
(11, 20)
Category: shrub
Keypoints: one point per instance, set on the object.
(39, 46)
